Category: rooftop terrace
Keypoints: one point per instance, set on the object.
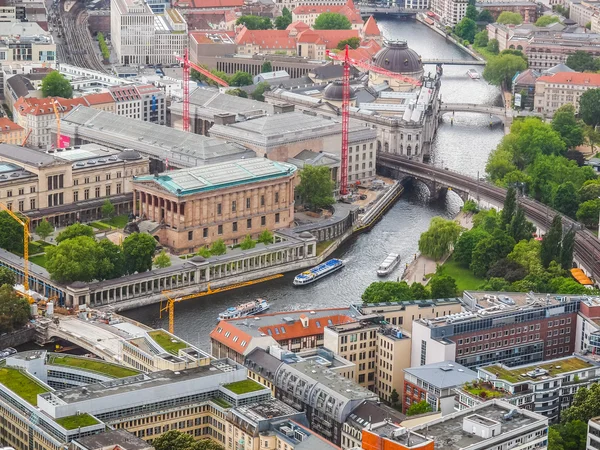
(93, 365)
(168, 343)
(244, 387)
(21, 384)
(551, 369)
(77, 421)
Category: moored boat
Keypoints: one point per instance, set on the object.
(245, 309)
(317, 272)
(473, 74)
(388, 264)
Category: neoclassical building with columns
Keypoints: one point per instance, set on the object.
(197, 206)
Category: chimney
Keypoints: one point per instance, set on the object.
(280, 108)
(224, 119)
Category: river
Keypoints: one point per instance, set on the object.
(462, 146)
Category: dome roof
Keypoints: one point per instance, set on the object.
(198, 259)
(335, 92)
(129, 155)
(306, 235)
(397, 57)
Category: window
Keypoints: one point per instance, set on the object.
(108, 191)
(220, 229)
(97, 191)
(263, 220)
(218, 209)
(21, 205)
(108, 176)
(32, 189)
(9, 193)
(234, 226)
(248, 223)
(276, 217)
(86, 194)
(191, 235)
(75, 183)
(21, 191)
(97, 177)
(276, 197)
(248, 203)
(75, 196)
(118, 174)
(32, 203)
(233, 206)
(262, 200)
(118, 188)
(205, 232)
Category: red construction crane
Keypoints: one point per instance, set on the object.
(347, 62)
(187, 64)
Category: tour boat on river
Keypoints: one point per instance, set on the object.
(317, 272)
(388, 264)
(245, 309)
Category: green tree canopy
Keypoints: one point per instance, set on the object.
(387, 291)
(56, 85)
(519, 227)
(266, 237)
(241, 79)
(581, 61)
(352, 42)
(139, 250)
(585, 405)
(439, 239)
(566, 250)
(510, 207)
(566, 124)
(332, 21)
(173, 440)
(466, 29)
(501, 70)
(266, 67)
(247, 243)
(237, 93)
(418, 408)
(527, 255)
(544, 21)
(481, 39)
(589, 107)
(548, 172)
(566, 200)
(259, 91)
(162, 260)
(394, 396)
(493, 46)
(507, 17)
(463, 250)
(255, 22)
(111, 260)
(316, 187)
(108, 209)
(74, 259)
(443, 286)
(11, 233)
(588, 212)
(489, 250)
(14, 310)
(283, 21)
(218, 248)
(75, 230)
(472, 13)
(7, 276)
(486, 16)
(44, 229)
(551, 244)
(590, 190)
(571, 436)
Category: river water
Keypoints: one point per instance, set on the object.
(462, 146)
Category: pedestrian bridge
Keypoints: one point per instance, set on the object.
(455, 62)
(392, 11)
(499, 111)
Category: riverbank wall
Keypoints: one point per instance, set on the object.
(449, 38)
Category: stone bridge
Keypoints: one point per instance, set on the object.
(454, 62)
(366, 11)
(497, 111)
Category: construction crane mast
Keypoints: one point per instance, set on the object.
(187, 65)
(54, 105)
(24, 222)
(346, 61)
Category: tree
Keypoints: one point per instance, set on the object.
(512, 51)
(489, 250)
(138, 249)
(555, 441)
(573, 435)
(266, 67)
(585, 405)
(566, 250)
(258, 93)
(394, 397)
(519, 227)
(466, 29)
(44, 229)
(387, 291)
(487, 220)
(248, 243)
(206, 444)
(500, 163)
(103, 47)
(7, 276)
(589, 191)
(241, 79)
(14, 310)
(316, 187)
(588, 213)
(56, 85)
(544, 21)
(589, 107)
(486, 16)
(443, 286)
(283, 21)
(463, 250)
(588, 25)
(565, 199)
(162, 260)
(237, 93)
(418, 292)
(481, 39)
(74, 259)
(173, 440)
(501, 70)
(255, 22)
(592, 135)
(472, 13)
(551, 244)
(570, 129)
(418, 408)
(266, 237)
(580, 61)
(332, 21)
(352, 42)
(493, 46)
(510, 207)
(507, 17)
(527, 255)
(204, 252)
(11, 233)
(439, 239)
(111, 260)
(75, 230)
(108, 209)
(218, 248)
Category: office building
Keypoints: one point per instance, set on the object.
(593, 434)
(435, 384)
(449, 12)
(26, 42)
(583, 11)
(67, 185)
(554, 91)
(225, 201)
(511, 328)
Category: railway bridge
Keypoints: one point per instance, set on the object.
(440, 181)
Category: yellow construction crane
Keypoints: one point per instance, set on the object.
(54, 103)
(25, 223)
(170, 302)
(26, 138)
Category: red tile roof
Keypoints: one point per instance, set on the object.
(201, 37)
(298, 25)
(231, 336)
(347, 10)
(576, 78)
(42, 106)
(7, 124)
(99, 99)
(297, 329)
(269, 39)
(216, 3)
(365, 52)
(329, 38)
(371, 28)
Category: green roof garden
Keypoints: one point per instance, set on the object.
(167, 342)
(77, 421)
(219, 401)
(554, 368)
(244, 387)
(21, 384)
(93, 365)
(483, 389)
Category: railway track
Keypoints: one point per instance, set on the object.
(587, 246)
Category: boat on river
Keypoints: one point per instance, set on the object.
(245, 309)
(388, 264)
(318, 272)
(473, 74)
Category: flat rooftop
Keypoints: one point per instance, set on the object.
(244, 387)
(27, 156)
(443, 375)
(400, 306)
(92, 365)
(111, 438)
(271, 409)
(219, 176)
(390, 432)
(528, 372)
(21, 384)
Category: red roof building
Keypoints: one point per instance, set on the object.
(554, 91)
(309, 13)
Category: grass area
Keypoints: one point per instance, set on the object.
(80, 421)
(465, 280)
(553, 368)
(100, 226)
(219, 401)
(35, 247)
(487, 55)
(243, 387)
(94, 365)
(118, 221)
(21, 384)
(170, 344)
(322, 246)
(482, 391)
(40, 260)
(44, 244)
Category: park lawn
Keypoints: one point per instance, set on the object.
(77, 421)
(94, 365)
(39, 260)
(118, 221)
(166, 342)
(100, 226)
(22, 385)
(244, 386)
(465, 280)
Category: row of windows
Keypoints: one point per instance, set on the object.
(21, 191)
(234, 227)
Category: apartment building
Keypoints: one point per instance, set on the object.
(308, 14)
(546, 389)
(10, 132)
(593, 435)
(511, 328)
(364, 416)
(67, 185)
(143, 102)
(583, 11)
(556, 90)
(449, 12)
(26, 42)
(435, 384)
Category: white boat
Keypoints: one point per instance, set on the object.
(473, 74)
(388, 264)
(317, 272)
(245, 309)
